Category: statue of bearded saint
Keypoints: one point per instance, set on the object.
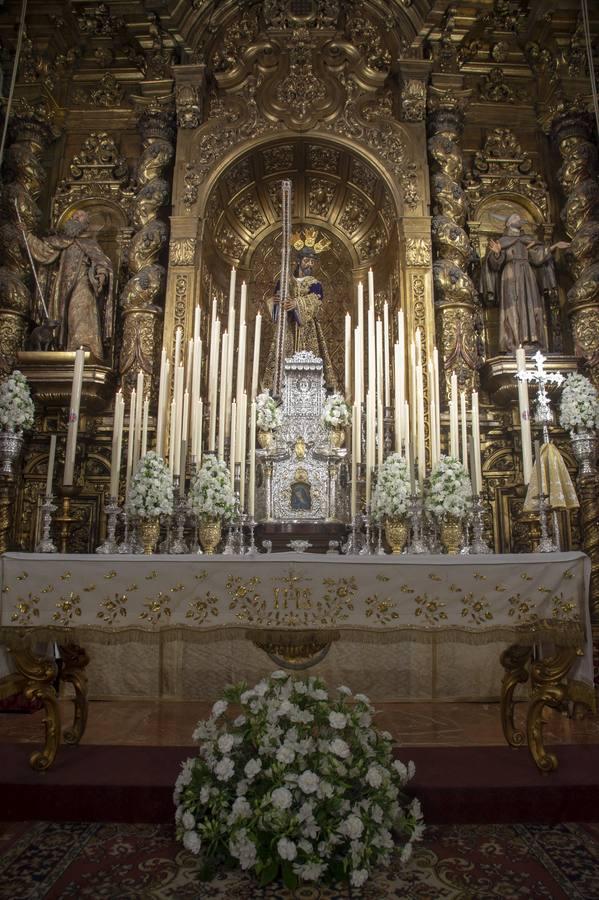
(303, 305)
(81, 293)
(517, 271)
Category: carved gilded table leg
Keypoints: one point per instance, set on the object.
(515, 661)
(75, 659)
(34, 676)
(549, 688)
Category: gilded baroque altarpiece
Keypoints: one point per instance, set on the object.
(409, 132)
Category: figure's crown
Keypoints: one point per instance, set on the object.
(308, 238)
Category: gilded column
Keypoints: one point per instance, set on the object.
(572, 129)
(455, 295)
(31, 130)
(142, 296)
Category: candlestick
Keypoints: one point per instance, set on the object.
(73, 426)
(51, 458)
(46, 544)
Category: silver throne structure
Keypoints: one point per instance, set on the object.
(298, 483)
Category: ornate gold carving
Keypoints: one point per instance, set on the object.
(141, 294)
(418, 252)
(97, 21)
(182, 251)
(109, 93)
(413, 100)
(98, 170)
(495, 89)
(189, 107)
(367, 38)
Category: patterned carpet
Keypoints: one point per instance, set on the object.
(142, 862)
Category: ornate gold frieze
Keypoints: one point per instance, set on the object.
(97, 171)
(182, 251)
(418, 252)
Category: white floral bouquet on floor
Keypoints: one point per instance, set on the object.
(296, 784)
(336, 412)
(391, 496)
(211, 492)
(151, 491)
(579, 407)
(450, 490)
(268, 414)
(16, 405)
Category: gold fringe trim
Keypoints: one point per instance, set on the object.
(560, 635)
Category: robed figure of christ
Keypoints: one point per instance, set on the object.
(303, 306)
(517, 271)
(81, 293)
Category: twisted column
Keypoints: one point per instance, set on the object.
(455, 294)
(142, 296)
(572, 129)
(31, 130)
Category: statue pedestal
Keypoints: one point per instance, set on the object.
(50, 373)
(498, 375)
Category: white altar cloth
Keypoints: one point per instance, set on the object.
(167, 602)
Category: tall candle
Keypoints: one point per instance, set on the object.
(213, 386)
(199, 428)
(178, 339)
(380, 432)
(476, 460)
(420, 431)
(256, 357)
(407, 445)
(371, 350)
(386, 361)
(196, 322)
(400, 384)
(371, 288)
(222, 397)
(173, 436)
(523, 407)
(243, 303)
(181, 457)
(359, 434)
(453, 418)
(354, 465)
(380, 393)
(73, 426)
(233, 444)
(229, 371)
(357, 365)
(242, 431)
(437, 423)
(241, 362)
(347, 345)
(138, 416)
(130, 442)
(162, 395)
(252, 481)
(119, 448)
(464, 428)
(51, 458)
(144, 427)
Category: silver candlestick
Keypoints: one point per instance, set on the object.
(351, 547)
(125, 545)
(545, 545)
(479, 544)
(366, 549)
(252, 550)
(180, 506)
(418, 543)
(46, 545)
(112, 510)
(380, 550)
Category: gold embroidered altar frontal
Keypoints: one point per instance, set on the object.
(426, 626)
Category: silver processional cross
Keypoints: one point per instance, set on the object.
(541, 377)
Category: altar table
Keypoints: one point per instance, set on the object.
(293, 609)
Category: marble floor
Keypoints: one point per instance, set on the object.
(415, 724)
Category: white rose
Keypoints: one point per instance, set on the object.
(192, 842)
(340, 748)
(188, 821)
(225, 743)
(285, 755)
(358, 877)
(252, 767)
(337, 720)
(286, 849)
(219, 708)
(374, 777)
(308, 782)
(281, 798)
(224, 768)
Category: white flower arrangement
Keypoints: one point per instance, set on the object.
(336, 412)
(450, 490)
(391, 496)
(268, 414)
(579, 407)
(151, 491)
(211, 492)
(16, 406)
(297, 785)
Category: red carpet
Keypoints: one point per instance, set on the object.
(455, 785)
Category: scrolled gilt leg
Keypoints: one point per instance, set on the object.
(515, 661)
(549, 687)
(35, 678)
(75, 659)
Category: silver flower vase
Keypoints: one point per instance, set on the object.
(584, 447)
(11, 447)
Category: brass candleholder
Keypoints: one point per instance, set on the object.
(65, 520)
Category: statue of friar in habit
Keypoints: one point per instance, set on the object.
(303, 305)
(81, 292)
(517, 271)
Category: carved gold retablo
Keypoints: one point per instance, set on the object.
(50, 374)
